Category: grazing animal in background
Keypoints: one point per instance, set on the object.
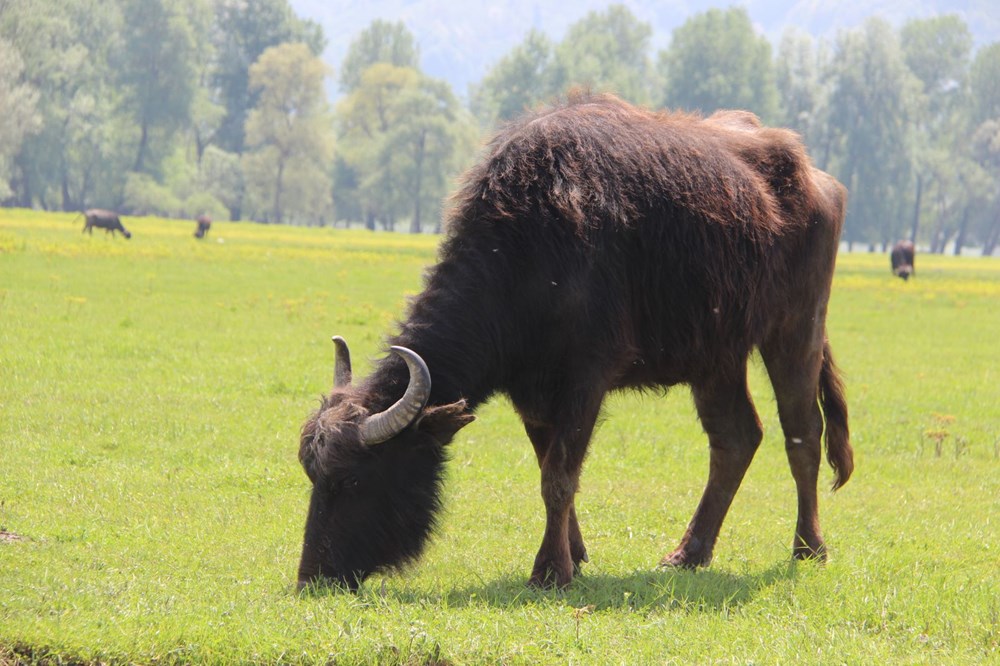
(204, 224)
(103, 219)
(901, 257)
(598, 246)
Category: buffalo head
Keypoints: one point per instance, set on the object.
(376, 476)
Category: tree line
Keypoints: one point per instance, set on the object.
(182, 107)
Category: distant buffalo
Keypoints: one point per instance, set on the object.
(902, 259)
(103, 219)
(204, 224)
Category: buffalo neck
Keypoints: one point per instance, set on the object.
(458, 329)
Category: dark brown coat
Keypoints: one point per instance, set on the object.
(901, 258)
(103, 219)
(204, 223)
(598, 246)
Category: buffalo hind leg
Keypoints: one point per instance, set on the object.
(728, 416)
(561, 451)
(794, 371)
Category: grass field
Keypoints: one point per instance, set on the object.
(151, 502)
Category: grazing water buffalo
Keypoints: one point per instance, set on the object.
(204, 224)
(103, 219)
(598, 246)
(901, 257)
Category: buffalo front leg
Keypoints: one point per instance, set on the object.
(560, 452)
(794, 373)
(728, 416)
(541, 439)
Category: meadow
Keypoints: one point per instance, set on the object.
(152, 505)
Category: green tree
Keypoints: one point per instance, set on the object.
(716, 61)
(937, 51)
(365, 117)
(402, 135)
(244, 30)
(606, 51)
(17, 108)
(207, 107)
(382, 41)
(519, 81)
(804, 91)
(984, 80)
(77, 157)
(424, 144)
(220, 176)
(984, 91)
(289, 135)
(157, 73)
(871, 110)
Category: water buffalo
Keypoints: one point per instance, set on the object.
(901, 257)
(597, 246)
(204, 224)
(103, 219)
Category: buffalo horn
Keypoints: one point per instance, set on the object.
(342, 364)
(377, 428)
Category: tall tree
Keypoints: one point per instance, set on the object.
(290, 132)
(936, 51)
(157, 72)
(984, 79)
(245, 29)
(984, 90)
(804, 91)
(381, 42)
(77, 157)
(872, 105)
(365, 117)
(520, 80)
(424, 144)
(403, 135)
(607, 51)
(207, 107)
(17, 108)
(716, 60)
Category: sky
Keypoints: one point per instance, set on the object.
(461, 40)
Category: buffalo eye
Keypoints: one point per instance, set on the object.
(347, 484)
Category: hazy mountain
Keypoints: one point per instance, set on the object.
(461, 39)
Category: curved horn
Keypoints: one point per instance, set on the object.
(342, 364)
(377, 428)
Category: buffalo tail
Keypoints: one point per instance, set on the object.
(839, 453)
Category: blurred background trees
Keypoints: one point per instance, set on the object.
(289, 136)
(179, 107)
(716, 61)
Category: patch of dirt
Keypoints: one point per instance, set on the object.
(9, 537)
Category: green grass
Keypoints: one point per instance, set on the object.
(151, 393)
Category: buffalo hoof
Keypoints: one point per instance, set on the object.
(683, 559)
(550, 575)
(815, 552)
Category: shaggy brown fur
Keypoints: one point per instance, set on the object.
(599, 246)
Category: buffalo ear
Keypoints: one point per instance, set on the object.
(443, 421)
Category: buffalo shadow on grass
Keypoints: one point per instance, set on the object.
(692, 591)
(703, 590)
